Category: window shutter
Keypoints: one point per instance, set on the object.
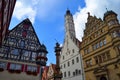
(8, 65)
(22, 67)
(25, 67)
(38, 69)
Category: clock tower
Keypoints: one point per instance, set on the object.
(70, 59)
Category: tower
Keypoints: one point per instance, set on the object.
(111, 18)
(70, 59)
(69, 24)
(57, 51)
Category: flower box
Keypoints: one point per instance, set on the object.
(28, 72)
(34, 73)
(18, 71)
(1, 69)
(11, 70)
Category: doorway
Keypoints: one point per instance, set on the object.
(103, 78)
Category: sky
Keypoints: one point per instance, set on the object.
(47, 17)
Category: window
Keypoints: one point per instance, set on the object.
(94, 47)
(102, 57)
(101, 43)
(73, 61)
(73, 51)
(76, 71)
(25, 26)
(63, 57)
(68, 73)
(104, 41)
(114, 34)
(32, 68)
(64, 74)
(68, 63)
(86, 51)
(15, 66)
(64, 65)
(89, 62)
(79, 71)
(73, 73)
(15, 52)
(112, 22)
(2, 65)
(77, 59)
(22, 44)
(96, 60)
(97, 45)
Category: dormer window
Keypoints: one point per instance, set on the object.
(112, 22)
(22, 44)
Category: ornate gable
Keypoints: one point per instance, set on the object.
(21, 43)
(51, 71)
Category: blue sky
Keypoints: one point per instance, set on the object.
(47, 17)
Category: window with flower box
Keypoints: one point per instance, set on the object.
(2, 66)
(32, 70)
(15, 68)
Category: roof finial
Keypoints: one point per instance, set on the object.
(106, 9)
(88, 13)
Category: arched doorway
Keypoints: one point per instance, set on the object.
(103, 78)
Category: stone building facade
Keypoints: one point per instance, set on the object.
(100, 47)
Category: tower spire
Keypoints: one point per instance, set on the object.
(69, 24)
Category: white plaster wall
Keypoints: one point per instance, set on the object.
(5, 75)
(69, 57)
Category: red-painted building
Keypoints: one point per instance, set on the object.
(6, 10)
(44, 74)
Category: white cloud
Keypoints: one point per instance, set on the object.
(22, 11)
(95, 7)
(33, 8)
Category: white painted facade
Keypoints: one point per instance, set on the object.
(70, 59)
